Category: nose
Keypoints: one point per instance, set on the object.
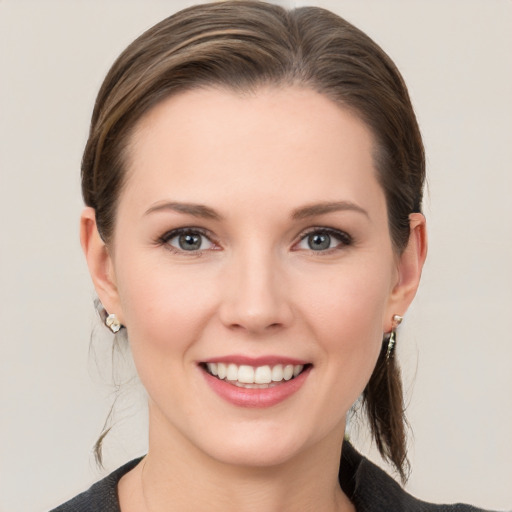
(255, 297)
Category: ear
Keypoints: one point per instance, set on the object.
(100, 263)
(410, 265)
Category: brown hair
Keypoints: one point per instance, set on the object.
(242, 45)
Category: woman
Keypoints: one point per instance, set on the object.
(253, 180)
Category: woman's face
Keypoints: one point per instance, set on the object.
(252, 240)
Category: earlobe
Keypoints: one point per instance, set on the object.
(99, 262)
(410, 266)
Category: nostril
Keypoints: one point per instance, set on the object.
(255, 325)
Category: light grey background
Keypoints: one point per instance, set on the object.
(455, 346)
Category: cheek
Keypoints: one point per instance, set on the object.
(166, 310)
(350, 302)
(165, 307)
(346, 316)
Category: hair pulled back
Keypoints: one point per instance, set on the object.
(242, 45)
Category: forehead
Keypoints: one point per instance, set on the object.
(276, 143)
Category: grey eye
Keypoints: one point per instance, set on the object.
(190, 242)
(319, 241)
(324, 239)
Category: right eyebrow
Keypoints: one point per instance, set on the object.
(196, 210)
(327, 207)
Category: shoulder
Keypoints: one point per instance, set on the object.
(102, 496)
(372, 490)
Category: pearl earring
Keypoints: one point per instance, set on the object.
(113, 323)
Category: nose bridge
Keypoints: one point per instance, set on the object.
(257, 298)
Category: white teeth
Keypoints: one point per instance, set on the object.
(288, 372)
(221, 369)
(262, 375)
(247, 375)
(232, 372)
(277, 373)
(212, 368)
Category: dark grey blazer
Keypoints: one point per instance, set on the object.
(369, 488)
(372, 490)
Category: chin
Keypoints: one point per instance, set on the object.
(264, 444)
(257, 453)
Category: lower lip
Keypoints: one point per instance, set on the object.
(256, 397)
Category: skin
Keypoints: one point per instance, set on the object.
(256, 288)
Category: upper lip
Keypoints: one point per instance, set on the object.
(270, 360)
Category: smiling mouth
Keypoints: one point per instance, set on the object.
(250, 377)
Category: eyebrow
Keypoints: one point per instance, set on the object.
(196, 210)
(327, 207)
(205, 212)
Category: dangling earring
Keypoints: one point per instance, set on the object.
(397, 320)
(113, 323)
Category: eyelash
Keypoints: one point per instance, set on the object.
(167, 237)
(341, 236)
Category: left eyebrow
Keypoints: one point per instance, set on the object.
(196, 210)
(327, 207)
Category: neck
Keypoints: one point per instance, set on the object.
(178, 473)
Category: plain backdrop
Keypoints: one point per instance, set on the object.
(455, 345)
